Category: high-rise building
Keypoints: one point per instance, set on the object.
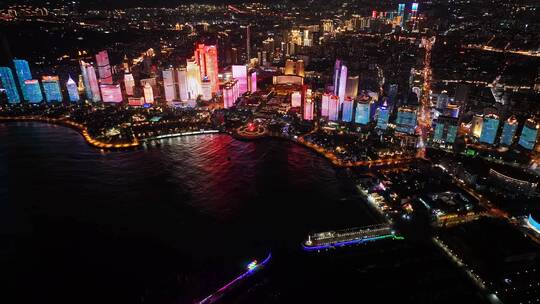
(325, 105)
(342, 84)
(248, 43)
(363, 112)
(308, 105)
(445, 130)
(90, 81)
(51, 87)
(333, 108)
(296, 99)
(230, 93)
(509, 131)
(7, 82)
(104, 67)
(193, 80)
(253, 82)
(135, 101)
(239, 72)
(125, 64)
(401, 11)
(206, 88)
(383, 114)
(347, 112)
(33, 91)
(148, 93)
(129, 83)
(85, 79)
(294, 68)
(529, 134)
(111, 93)
(406, 120)
(94, 86)
(351, 87)
(72, 90)
(181, 76)
(490, 127)
(168, 85)
(442, 100)
(207, 61)
(476, 125)
(22, 69)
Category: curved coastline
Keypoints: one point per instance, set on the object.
(136, 143)
(76, 126)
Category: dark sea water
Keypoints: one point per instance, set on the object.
(176, 220)
(193, 210)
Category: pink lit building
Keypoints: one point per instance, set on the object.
(111, 93)
(325, 105)
(207, 60)
(308, 106)
(230, 93)
(104, 68)
(296, 99)
(239, 72)
(333, 108)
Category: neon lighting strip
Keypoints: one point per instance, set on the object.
(182, 134)
(219, 292)
(358, 241)
(533, 224)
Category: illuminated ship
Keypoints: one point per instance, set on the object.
(252, 268)
(346, 237)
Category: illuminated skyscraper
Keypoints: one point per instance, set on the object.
(253, 82)
(239, 72)
(490, 127)
(168, 85)
(207, 60)
(92, 80)
(51, 87)
(333, 108)
(351, 88)
(148, 93)
(193, 80)
(363, 112)
(476, 125)
(406, 120)
(86, 82)
(181, 75)
(206, 87)
(383, 114)
(104, 67)
(22, 69)
(308, 105)
(346, 114)
(509, 131)
(325, 105)
(7, 82)
(33, 91)
(529, 134)
(72, 90)
(401, 11)
(80, 85)
(442, 100)
(296, 99)
(129, 83)
(342, 84)
(230, 93)
(445, 130)
(111, 93)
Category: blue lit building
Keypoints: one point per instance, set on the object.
(363, 112)
(383, 114)
(22, 69)
(7, 82)
(347, 110)
(51, 88)
(529, 134)
(490, 127)
(72, 90)
(33, 91)
(509, 131)
(406, 120)
(445, 130)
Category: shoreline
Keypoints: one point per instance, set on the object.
(77, 127)
(136, 143)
